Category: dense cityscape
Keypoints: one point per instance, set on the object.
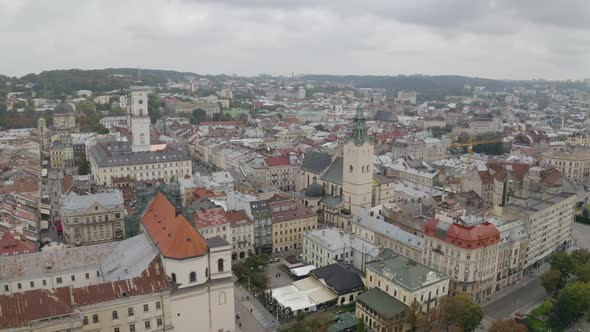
(292, 203)
(294, 166)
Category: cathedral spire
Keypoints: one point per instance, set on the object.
(359, 131)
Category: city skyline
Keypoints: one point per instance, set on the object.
(495, 39)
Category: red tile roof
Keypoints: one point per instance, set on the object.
(467, 237)
(20, 308)
(236, 217)
(277, 161)
(210, 217)
(12, 244)
(289, 210)
(171, 233)
(485, 177)
(199, 193)
(153, 279)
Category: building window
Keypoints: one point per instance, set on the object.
(32, 284)
(44, 282)
(192, 277)
(146, 308)
(6, 288)
(116, 329)
(159, 322)
(148, 324)
(58, 280)
(85, 321)
(130, 311)
(95, 318)
(131, 327)
(87, 275)
(173, 277)
(158, 305)
(73, 277)
(220, 265)
(19, 286)
(115, 314)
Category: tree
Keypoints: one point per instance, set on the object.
(563, 262)
(197, 116)
(412, 315)
(582, 272)
(572, 302)
(320, 323)
(463, 138)
(460, 311)
(507, 325)
(83, 166)
(155, 106)
(299, 325)
(117, 111)
(550, 280)
(585, 213)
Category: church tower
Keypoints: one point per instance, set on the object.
(139, 118)
(358, 167)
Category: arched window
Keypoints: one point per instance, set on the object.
(351, 298)
(173, 276)
(192, 277)
(220, 265)
(351, 168)
(342, 300)
(362, 169)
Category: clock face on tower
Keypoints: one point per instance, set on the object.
(140, 101)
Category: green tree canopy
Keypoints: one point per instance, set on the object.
(460, 311)
(550, 280)
(572, 302)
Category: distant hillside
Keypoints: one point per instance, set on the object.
(443, 84)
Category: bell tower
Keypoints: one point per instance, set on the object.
(139, 118)
(358, 167)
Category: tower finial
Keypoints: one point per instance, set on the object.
(138, 74)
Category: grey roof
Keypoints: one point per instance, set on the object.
(217, 241)
(378, 225)
(315, 190)
(119, 154)
(332, 201)
(534, 205)
(404, 271)
(316, 162)
(115, 260)
(341, 278)
(75, 204)
(382, 303)
(382, 178)
(63, 108)
(334, 173)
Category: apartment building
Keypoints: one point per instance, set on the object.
(427, 149)
(374, 229)
(548, 221)
(242, 234)
(331, 245)
(407, 280)
(94, 218)
(290, 221)
(213, 222)
(278, 171)
(467, 254)
(574, 164)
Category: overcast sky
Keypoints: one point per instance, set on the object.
(515, 39)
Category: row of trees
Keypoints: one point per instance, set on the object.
(571, 300)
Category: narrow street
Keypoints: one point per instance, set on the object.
(253, 316)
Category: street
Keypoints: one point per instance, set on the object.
(581, 234)
(271, 272)
(253, 315)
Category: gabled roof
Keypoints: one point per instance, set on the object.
(11, 244)
(170, 232)
(19, 309)
(316, 162)
(382, 303)
(334, 173)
